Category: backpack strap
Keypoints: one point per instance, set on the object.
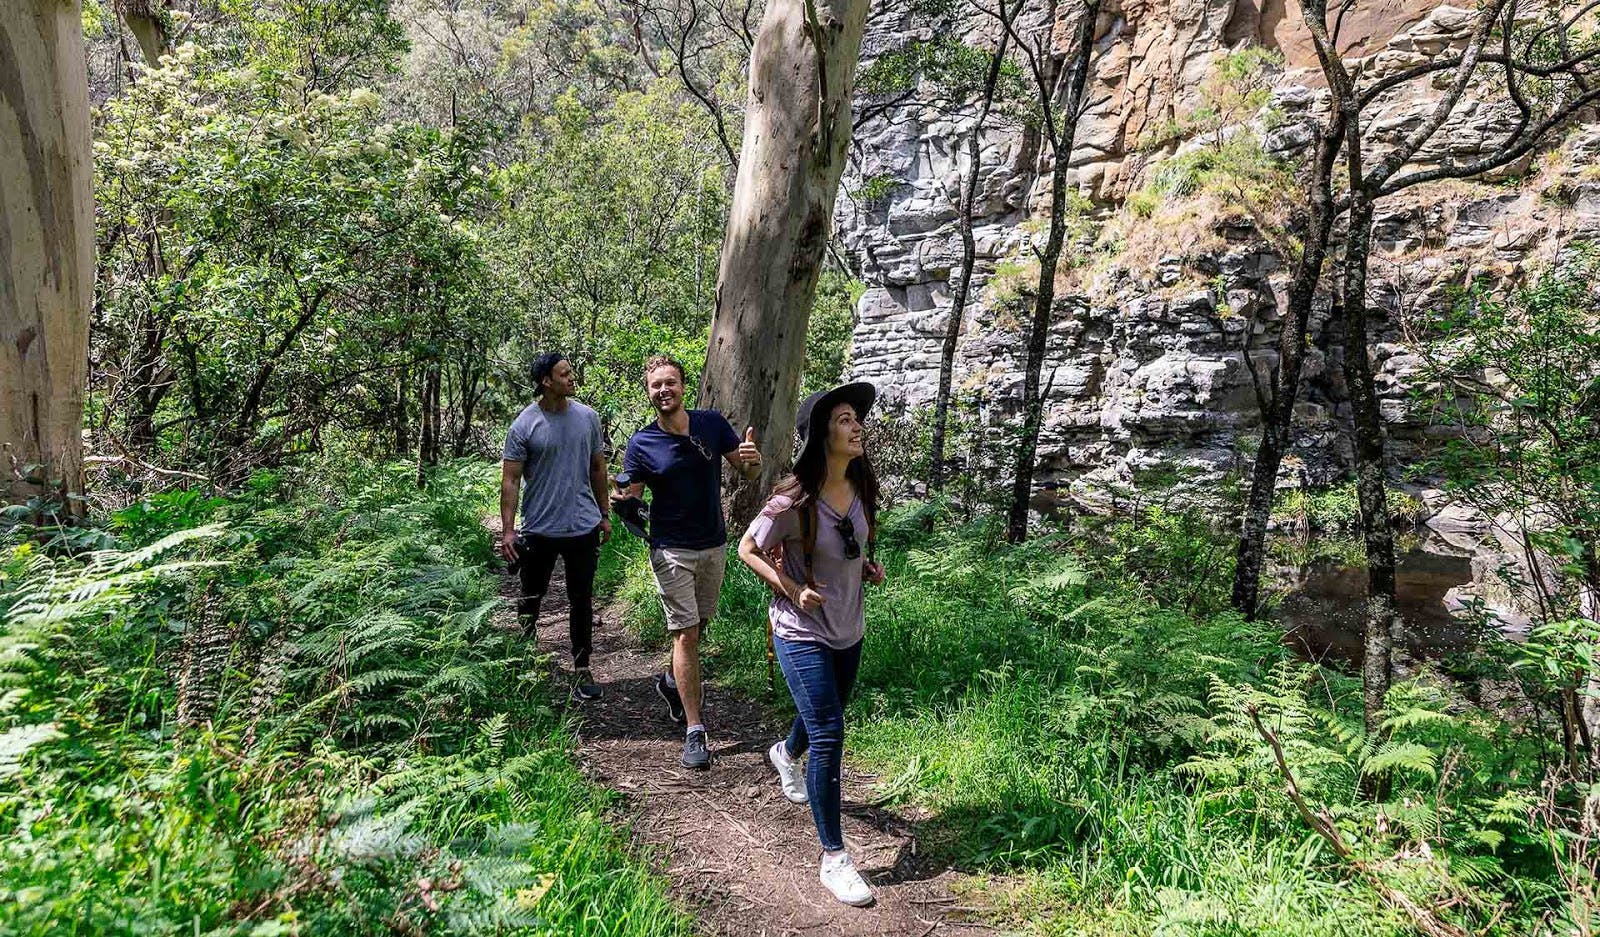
(872, 534)
(808, 538)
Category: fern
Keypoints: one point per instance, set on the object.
(1399, 756)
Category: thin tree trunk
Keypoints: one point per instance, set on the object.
(1277, 403)
(1589, 607)
(149, 30)
(969, 255)
(428, 433)
(797, 124)
(1044, 300)
(250, 410)
(401, 417)
(46, 247)
(1377, 528)
(435, 443)
(1251, 552)
(469, 403)
(152, 383)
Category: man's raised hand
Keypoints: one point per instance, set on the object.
(749, 453)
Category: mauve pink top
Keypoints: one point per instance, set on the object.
(838, 623)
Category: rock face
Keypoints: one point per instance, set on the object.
(1151, 351)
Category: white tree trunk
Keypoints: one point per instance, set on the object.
(46, 244)
(797, 124)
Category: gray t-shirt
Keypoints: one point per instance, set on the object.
(555, 450)
(838, 624)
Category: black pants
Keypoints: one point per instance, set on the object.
(580, 554)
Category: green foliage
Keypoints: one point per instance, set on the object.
(1220, 153)
(828, 333)
(303, 717)
(301, 250)
(1521, 375)
(616, 261)
(270, 252)
(1337, 509)
(875, 190)
(1058, 719)
(947, 63)
(1175, 557)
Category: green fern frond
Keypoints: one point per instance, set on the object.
(1402, 756)
(367, 681)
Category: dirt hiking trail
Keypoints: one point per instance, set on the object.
(741, 858)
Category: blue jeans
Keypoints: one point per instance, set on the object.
(820, 679)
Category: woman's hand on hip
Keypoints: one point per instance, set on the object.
(810, 599)
(806, 598)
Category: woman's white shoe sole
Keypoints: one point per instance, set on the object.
(857, 903)
(772, 756)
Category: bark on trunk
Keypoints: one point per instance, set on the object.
(1377, 528)
(1277, 403)
(144, 19)
(1044, 300)
(469, 403)
(46, 245)
(400, 415)
(969, 255)
(1589, 607)
(797, 123)
(428, 434)
(1251, 553)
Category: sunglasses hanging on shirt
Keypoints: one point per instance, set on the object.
(847, 532)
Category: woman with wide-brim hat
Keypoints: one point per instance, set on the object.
(821, 521)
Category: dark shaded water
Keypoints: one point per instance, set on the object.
(1324, 608)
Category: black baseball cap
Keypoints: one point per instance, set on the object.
(543, 365)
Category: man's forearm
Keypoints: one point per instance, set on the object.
(600, 482)
(508, 506)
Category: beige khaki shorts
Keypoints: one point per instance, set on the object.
(689, 583)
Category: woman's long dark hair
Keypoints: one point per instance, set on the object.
(803, 486)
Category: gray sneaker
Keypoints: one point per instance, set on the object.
(695, 753)
(669, 695)
(584, 688)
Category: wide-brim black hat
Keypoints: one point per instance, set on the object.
(815, 410)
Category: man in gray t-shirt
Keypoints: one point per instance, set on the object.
(554, 467)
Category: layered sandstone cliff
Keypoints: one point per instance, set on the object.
(1147, 362)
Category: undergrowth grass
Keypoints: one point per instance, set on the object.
(1070, 715)
(292, 712)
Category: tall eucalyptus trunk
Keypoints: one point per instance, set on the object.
(46, 247)
(797, 124)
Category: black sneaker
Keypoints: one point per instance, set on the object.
(669, 695)
(695, 753)
(583, 686)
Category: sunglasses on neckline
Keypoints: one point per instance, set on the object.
(847, 532)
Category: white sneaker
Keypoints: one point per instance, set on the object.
(841, 877)
(791, 775)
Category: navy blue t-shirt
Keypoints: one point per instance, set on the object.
(684, 475)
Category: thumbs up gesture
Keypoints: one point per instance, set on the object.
(748, 453)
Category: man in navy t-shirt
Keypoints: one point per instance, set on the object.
(679, 458)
